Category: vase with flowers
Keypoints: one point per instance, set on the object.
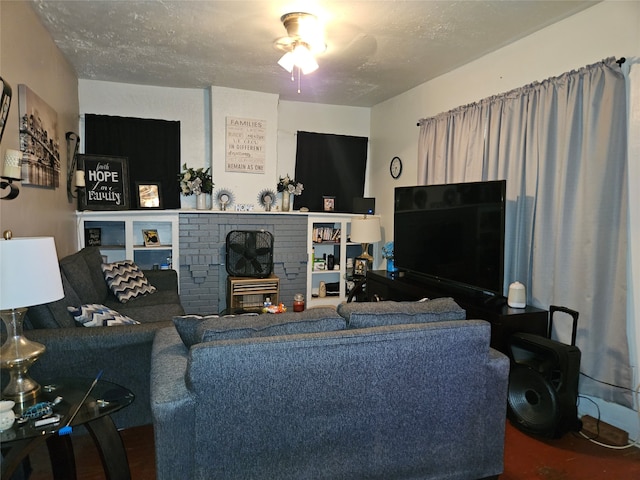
(288, 186)
(198, 182)
(387, 253)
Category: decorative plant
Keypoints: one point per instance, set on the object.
(195, 181)
(387, 251)
(288, 184)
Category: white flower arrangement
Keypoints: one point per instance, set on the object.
(195, 181)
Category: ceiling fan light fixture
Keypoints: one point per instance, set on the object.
(304, 40)
(305, 27)
(286, 62)
(303, 59)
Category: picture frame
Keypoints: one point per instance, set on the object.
(149, 195)
(360, 267)
(328, 203)
(92, 237)
(106, 182)
(40, 158)
(150, 237)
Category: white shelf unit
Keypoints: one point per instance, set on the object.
(340, 248)
(121, 236)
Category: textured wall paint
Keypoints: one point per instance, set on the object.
(34, 60)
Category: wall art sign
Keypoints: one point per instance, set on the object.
(38, 140)
(246, 145)
(107, 183)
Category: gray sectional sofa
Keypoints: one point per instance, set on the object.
(383, 390)
(123, 352)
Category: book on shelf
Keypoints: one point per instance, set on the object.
(326, 234)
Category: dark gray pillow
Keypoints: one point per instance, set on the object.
(194, 329)
(55, 314)
(187, 327)
(376, 314)
(80, 278)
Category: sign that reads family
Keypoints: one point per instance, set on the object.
(107, 182)
(246, 145)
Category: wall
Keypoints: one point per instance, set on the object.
(188, 106)
(308, 117)
(607, 29)
(202, 115)
(29, 56)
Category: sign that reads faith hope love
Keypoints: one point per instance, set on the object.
(107, 183)
(246, 145)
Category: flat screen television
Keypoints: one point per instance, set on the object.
(452, 235)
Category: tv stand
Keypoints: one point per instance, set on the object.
(504, 320)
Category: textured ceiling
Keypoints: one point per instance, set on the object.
(376, 49)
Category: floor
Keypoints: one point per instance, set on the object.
(526, 458)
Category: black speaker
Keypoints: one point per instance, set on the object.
(543, 383)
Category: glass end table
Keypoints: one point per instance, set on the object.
(94, 414)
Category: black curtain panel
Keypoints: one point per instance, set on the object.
(330, 165)
(151, 146)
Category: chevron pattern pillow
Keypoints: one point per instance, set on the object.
(95, 315)
(126, 280)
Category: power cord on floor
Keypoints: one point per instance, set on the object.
(634, 443)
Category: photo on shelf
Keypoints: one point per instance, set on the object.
(360, 267)
(151, 238)
(149, 195)
(329, 203)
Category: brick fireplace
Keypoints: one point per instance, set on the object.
(203, 276)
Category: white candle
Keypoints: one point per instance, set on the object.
(80, 178)
(12, 159)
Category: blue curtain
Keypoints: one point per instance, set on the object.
(561, 144)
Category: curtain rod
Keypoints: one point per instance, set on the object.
(620, 61)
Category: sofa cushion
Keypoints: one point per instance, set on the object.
(80, 278)
(126, 280)
(54, 314)
(93, 257)
(194, 329)
(96, 315)
(377, 314)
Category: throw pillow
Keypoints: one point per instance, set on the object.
(96, 315)
(187, 327)
(126, 280)
(377, 314)
(194, 329)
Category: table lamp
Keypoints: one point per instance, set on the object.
(365, 230)
(29, 275)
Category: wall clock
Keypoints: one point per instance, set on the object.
(395, 167)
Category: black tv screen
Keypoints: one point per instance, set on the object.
(452, 234)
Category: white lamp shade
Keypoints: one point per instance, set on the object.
(365, 230)
(299, 57)
(29, 272)
(303, 58)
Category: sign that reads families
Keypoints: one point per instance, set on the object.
(107, 182)
(246, 145)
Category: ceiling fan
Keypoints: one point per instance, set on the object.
(304, 40)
